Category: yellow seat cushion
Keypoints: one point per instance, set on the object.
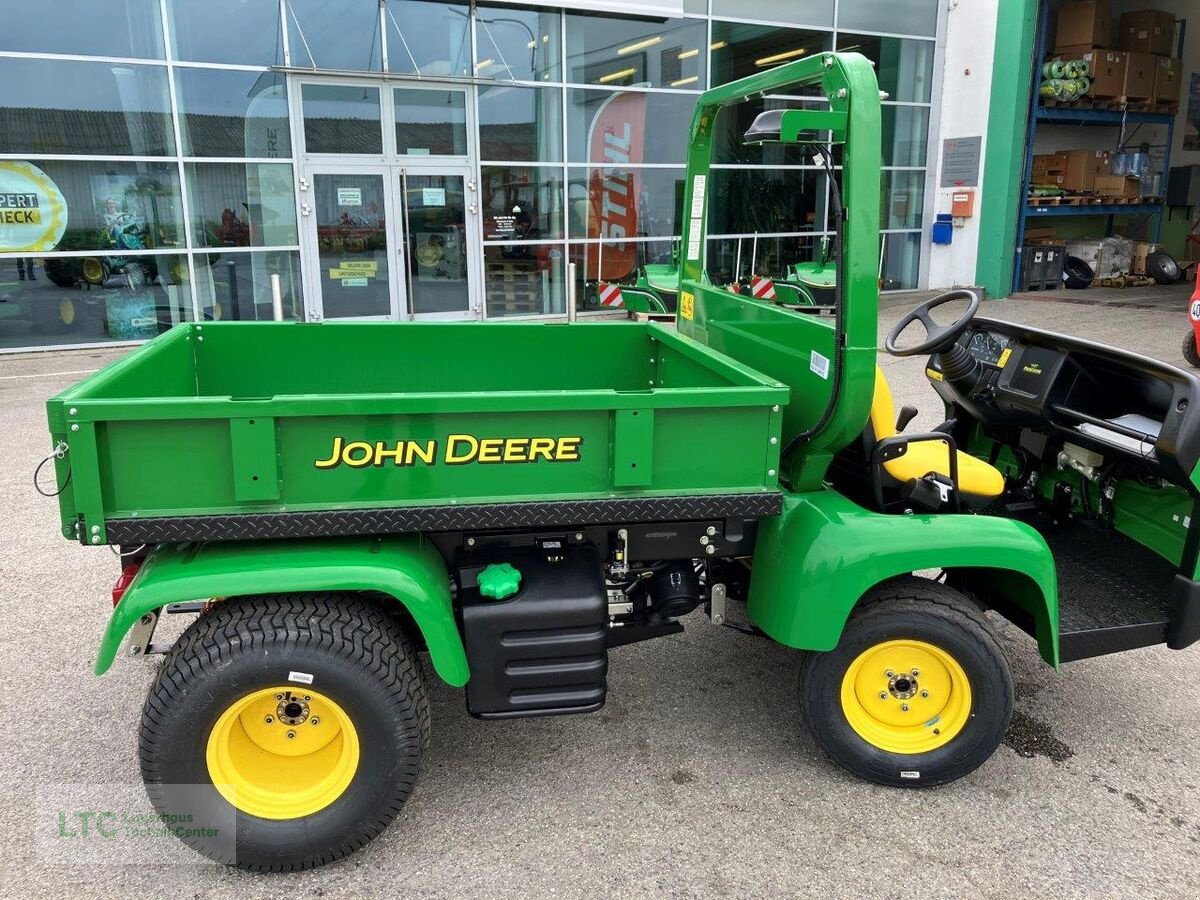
(975, 477)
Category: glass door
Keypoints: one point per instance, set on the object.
(350, 244)
(439, 220)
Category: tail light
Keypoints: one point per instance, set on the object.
(127, 575)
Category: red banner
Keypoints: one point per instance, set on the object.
(616, 139)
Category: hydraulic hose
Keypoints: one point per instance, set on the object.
(839, 334)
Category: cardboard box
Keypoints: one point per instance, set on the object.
(1072, 170)
(1084, 23)
(1140, 69)
(1106, 69)
(1141, 249)
(1118, 186)
(1166, 80)
(1041, 234)
(1148, 31)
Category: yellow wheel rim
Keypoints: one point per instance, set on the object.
(906, 696)
(66, 311)
(93, 271)
(282, 753)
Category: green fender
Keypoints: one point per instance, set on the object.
(813, 562)
(643, 301)
(408, 568)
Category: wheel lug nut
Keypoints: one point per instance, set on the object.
(291, 734)
(903, 707)
(316, 720)
(307, 698)
(889, 673)
(924, 695)
(883, 695)
(279, 696)
(915, 673)
(270, 719)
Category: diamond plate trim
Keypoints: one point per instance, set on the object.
(473, 517)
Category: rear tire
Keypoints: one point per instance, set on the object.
(946, 670)
(210, 719)
(1189, 349)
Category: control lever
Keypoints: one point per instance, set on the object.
(907, 414)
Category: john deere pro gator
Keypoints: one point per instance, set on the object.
(353, 503)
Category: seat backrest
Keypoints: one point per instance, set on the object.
(883, 411)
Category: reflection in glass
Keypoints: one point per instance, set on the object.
(436, 221)
(904, 67)
(327, 35)
(426, 38)
(352, 247)
(901, 260)
(901, 199)
(517, 44)
(758, 201)
(615, 203)
(233, 113)
(430, 122)
(236, 205)
(894, 16)
(83, 27)
(340, 118)
(810, 12)
(616, 52)
(624, 263)
(628, 126)
(741, 50)
(116, 206)
(734, 121)
(74, 300)
(524, 279)
(57, 106)
(731, 259)
(521, 202)
(201, 32)
(905, 135)
(520, 124)
(237, 286)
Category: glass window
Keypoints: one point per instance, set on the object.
(340, 118)
(895, 16)
(810, 12)
(524, 279)
(609, 51)
(85, 299)
(430, 122)
(628, 126)
(425, 38)
(741, 50)
(233, 113)
(201, 32)
(517, 44)
(521, 124)
(698, 7)
(56, 106)
(617, 262)
(730, 259)
(237, 286)
(901, 260)
(904, 67)
(108, 206)
(618, 203)
(241, 205)
(327, 35)
(901, 199)
(766, 201)
(734, 121)
(84, 27)
(905, 135)
(521, 202)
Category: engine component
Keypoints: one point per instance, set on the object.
(1082, 460)
(674, 590)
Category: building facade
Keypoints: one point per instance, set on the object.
(161, 160)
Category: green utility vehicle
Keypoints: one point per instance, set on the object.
(334, 500)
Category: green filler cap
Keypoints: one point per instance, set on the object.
(499, 581)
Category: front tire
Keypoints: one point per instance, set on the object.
(1190, 353)
(301, 719)
(917, 692)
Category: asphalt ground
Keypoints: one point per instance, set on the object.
(696, 779)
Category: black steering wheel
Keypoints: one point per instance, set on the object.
(937, 337)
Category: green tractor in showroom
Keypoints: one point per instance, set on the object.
(344, 514)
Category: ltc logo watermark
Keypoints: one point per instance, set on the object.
(115, 824)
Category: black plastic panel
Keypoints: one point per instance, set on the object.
(473, 517)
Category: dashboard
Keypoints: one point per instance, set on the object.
(1110, 400)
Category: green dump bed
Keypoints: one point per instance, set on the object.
(222, 431)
